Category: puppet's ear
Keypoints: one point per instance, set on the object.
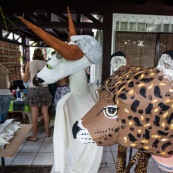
(71, 27)
(69, 52)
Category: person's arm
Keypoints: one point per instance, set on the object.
(26, 75)
(7, 78)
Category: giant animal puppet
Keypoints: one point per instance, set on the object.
(79, 53)
(71, 155)
(135, 109)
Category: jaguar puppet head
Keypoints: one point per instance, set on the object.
(135, 109)
(79, 53)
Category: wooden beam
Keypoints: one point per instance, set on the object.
(10, 41)
(90, 17)
(107, 38)
(32, 16)
(53, 25)
(61, 16)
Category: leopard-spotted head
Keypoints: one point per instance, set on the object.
(135, 109)
(101, 121)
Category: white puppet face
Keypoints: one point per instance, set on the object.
(117, 61)
(58, 67)
(165, 65)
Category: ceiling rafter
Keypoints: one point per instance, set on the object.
(32, 16)
(52, 15)
(7, 34)
(59, 25)
(61, 16)
(92, 18)
(27, 32)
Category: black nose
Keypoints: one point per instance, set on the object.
(37, 81)
(75, 129)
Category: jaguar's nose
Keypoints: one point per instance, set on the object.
(75, 129)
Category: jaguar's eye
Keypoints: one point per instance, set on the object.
(48, 66)
(111, 111)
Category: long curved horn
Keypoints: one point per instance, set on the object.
(72, 29)
(69, 52)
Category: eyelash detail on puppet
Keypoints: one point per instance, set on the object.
(110, 111)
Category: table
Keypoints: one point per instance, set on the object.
(20, 106)
(11, 149)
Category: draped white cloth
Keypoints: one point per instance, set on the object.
(7, 130)
(71, 155)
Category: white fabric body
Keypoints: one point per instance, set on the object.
(34, 67)
(92, 89)
(71, 155)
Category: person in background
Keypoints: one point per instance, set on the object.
(5, 94)
(53, 86)
(62, 89)
(37, 96)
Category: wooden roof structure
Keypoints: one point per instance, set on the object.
(51, 15)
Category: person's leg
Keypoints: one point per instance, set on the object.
(34, 111)
(46, 120)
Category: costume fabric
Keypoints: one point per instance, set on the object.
(70, 155)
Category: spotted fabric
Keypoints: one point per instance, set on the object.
(39, 96)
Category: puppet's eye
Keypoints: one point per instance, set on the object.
(111, 111)
(48, 66)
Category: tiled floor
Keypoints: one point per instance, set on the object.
(41, 153)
